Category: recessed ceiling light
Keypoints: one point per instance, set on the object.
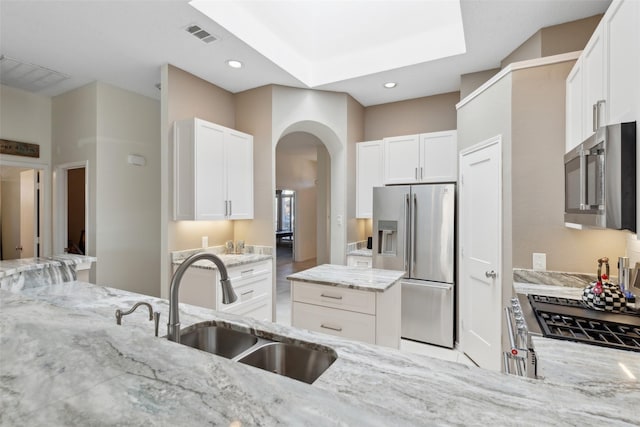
(390, 85)
(234, 64)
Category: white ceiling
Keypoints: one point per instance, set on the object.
(124, 43)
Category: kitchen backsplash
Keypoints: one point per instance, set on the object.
(555, 278)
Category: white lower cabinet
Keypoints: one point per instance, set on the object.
(251, 282)
(359, 261)
(363, 315)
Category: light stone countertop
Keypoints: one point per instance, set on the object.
(361, 252)
(578, 363)
(229, 260)
(66, 362)
(15, 266)
(362, 278)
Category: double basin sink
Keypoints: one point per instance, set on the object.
(300, 361)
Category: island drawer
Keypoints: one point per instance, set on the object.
(346, 324)
(334, 297)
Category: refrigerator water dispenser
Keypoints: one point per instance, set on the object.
(388, 237)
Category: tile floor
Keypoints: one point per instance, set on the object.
(285, 266)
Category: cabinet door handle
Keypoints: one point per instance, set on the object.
(415, 173)
(331, 328)
(230, 207)
(594, 117)
(331, 296)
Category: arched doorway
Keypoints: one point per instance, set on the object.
(302, 210)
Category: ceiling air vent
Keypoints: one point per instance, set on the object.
(26, 76)
(198, 32)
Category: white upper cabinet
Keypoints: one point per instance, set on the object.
(594, 99)
(212, 172)
(239, 156)
(574, 107)
(401, 159)
(439, 156)
(369, 171)
(622, 38)
(602, 87)
(428, 157)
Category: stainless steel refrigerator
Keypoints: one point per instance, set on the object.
(414, 231)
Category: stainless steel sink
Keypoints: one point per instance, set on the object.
(221, 341)
(300, 361)
(291, 360)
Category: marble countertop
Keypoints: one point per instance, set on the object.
(66, 362)
(578, 363)
(229, 260)
(361, 252)
(15, 266)
(362, 278)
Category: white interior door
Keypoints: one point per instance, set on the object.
(480, 253)
(27, 213)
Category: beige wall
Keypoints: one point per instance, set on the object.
(26, 117)
(10, 211)
(355, 134)
(253, 116)
(74, 125)
(562, 38)
(298, 172)
(472, 81)
(128, 206)
(530, 49)
(306, 224)
(568, 37)
(538, 177)
(427, 114)
(188, 97)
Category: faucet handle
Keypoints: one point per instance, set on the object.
(155, 316)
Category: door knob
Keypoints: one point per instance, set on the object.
(491, 274)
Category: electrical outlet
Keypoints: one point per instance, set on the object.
(539, 261)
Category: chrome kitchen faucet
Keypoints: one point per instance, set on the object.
(228, 294)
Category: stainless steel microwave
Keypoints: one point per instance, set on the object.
(600, 179)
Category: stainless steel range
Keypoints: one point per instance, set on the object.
(570, 319)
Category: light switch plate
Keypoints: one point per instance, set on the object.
(539, 261)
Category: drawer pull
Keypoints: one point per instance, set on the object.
(331, 327)
(330, 296)
(247, 271)
(246, 293)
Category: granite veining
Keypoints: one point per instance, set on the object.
(33, 272)
(578, 363)
(362, 278)
(554, 278)
(252, 254)
(66, 362)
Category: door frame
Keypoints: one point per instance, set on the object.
(495, 140)
(44, 241)
(61, 199)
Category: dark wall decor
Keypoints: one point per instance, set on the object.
(16, 148)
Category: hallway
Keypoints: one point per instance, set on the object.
(284, 267)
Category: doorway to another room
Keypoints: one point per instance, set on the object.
(20, 212)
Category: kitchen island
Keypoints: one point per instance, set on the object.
(358, 303)
(66, 362)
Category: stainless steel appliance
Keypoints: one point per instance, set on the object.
(413, 230)
(521, 358)
(600, 179)
(570, 319)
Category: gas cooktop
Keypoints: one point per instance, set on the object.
(570, 319)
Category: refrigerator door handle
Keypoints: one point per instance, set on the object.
(414, 212)
(406, 231)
